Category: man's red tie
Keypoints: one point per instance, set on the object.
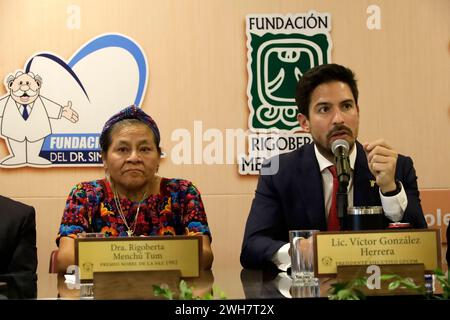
(333, 220)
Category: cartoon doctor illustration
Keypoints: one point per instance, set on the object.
(25, 119)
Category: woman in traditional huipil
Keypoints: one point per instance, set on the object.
(132, 200)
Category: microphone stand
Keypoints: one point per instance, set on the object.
(343, 173)
(342, 203)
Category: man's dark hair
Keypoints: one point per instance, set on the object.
(322, 74)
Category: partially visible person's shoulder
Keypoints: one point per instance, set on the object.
(12, 203)
(404, 162)
(404, 158)
(8, 205)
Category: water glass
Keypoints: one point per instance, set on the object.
(302, 256)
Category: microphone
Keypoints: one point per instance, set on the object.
(340, 149)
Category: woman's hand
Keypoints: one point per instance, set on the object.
(207, 255)
(66, 254)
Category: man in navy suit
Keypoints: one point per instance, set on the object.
(17, 238)
(295, 189)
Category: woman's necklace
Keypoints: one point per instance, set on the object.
(130, 231)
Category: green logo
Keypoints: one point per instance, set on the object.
(280, 50)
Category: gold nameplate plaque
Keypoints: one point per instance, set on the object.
(413, 246)
(138, 254)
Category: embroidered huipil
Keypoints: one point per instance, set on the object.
(176, 210)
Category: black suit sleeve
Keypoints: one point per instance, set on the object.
(264, 225)
(413, 213)
(448, 245)
(24, 256)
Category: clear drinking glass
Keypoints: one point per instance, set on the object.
(305, 290)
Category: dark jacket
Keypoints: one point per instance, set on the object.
(17, 237)
(448, 245)
(292, 198)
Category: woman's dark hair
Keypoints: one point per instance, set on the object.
(322, 74)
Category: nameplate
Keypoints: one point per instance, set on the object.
(138, 254)
(413, 246)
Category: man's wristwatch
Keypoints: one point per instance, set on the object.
(394, 192)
